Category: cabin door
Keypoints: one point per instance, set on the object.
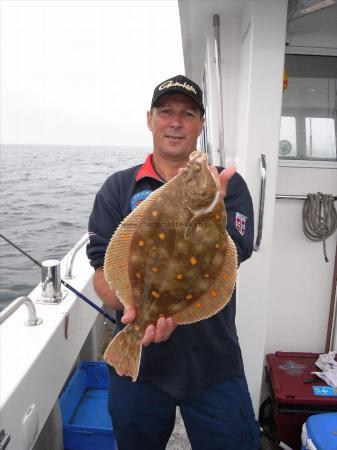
(252, 122)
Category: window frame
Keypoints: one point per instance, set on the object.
(296, 162)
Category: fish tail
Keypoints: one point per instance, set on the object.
(124, 352)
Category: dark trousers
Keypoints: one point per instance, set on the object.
(220, 418)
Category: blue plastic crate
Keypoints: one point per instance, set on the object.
(84, 408)
(320, 432)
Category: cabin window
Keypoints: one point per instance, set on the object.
(288, 145)
(309, 109)
(320, 137)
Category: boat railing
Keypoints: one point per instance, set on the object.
(263, 169)
(32, 321)
(71, 258)
(217, 55)
(296, 197)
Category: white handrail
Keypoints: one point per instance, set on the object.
(217, 50)
(70, 260)
(33, 320)
(263, 167)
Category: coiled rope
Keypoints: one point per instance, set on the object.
(319, 218)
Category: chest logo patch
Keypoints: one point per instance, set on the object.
(137, 198)
(240, 223)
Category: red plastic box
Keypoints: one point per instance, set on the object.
(293, 400)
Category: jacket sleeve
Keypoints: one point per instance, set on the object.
(240, 216)
(105, 217)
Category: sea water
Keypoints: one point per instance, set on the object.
(46, 196)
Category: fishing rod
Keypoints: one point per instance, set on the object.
(67, 285)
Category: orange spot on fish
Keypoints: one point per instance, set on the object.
(162, 236)
(125, 237)
(125, 286)
(155, 294)
(154, 269)
(179, 276)
(198, 305)
(214, 293)
(193, 260)
(225, 276)
(154, 213)
(189, 296)
(141, 243)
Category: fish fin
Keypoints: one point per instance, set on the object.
(116, 259)
(217, 296)
(124, 352)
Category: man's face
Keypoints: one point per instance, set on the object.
(175, 124)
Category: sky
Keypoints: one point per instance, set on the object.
(82, 72)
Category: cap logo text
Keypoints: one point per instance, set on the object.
(171, 84)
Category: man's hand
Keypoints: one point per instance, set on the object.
(221, 179)
(153, 333)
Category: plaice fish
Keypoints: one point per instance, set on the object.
(170, 257)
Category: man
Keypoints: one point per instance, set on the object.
(198, 366)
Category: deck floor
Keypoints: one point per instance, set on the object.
(179, 439)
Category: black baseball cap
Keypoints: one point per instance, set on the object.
(179, 85)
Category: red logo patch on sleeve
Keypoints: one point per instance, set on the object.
(240, 223)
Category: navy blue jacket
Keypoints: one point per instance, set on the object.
(195, 355)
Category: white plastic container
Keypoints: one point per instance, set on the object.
(307, 443)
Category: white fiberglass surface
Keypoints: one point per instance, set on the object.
(36, 361)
